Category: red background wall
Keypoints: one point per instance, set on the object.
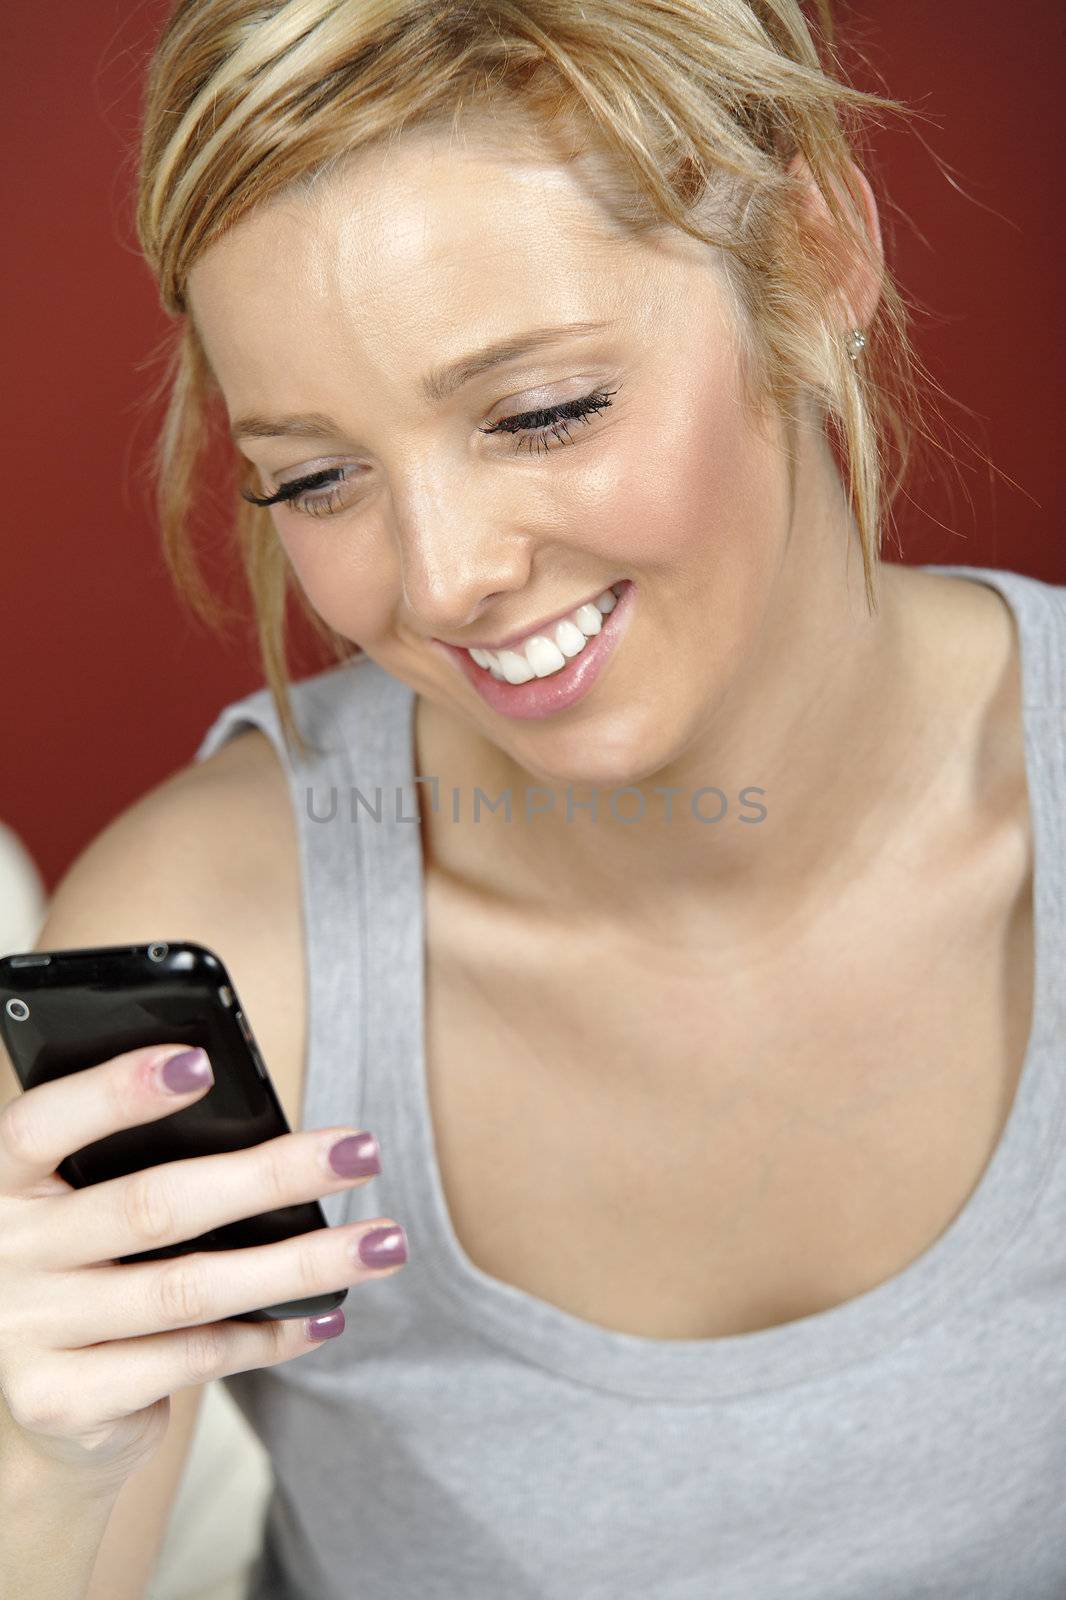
(108, 682)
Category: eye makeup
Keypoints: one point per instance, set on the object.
(534, 427)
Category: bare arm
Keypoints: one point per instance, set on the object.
(182, 862)
(50, 1528)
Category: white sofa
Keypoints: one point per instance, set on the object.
(215, 1527)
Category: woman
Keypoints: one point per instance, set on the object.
(715, 1080)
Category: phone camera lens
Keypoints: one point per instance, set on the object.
(17, 1010)
(156, 952)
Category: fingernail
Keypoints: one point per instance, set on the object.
(383, 1247)
(355, 1156)
(188, 1070)
(327, 1326)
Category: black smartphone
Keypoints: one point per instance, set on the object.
(64, 1010)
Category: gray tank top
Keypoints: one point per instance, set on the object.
(464, 1440)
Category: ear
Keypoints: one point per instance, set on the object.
(859, 289)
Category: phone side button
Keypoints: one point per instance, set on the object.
(253, 1048)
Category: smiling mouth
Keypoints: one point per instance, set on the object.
(546, 650)
(543, 680)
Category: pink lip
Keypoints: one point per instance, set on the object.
(542, 697)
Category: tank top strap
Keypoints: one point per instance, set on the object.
(353, 717)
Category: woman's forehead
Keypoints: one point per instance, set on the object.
(423, 203)
(405, 243)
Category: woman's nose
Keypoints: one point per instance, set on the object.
(453, 574)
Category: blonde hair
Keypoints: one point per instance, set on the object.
(688, 102)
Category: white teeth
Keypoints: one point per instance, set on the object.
(515, 667)
(589, 619)
(569, 638)
(543, 654)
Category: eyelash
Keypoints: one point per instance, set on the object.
(536, 426)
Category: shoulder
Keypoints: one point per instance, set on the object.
(208, 855)
(207, 832)
(993, 606)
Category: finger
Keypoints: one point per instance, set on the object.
(118, 1303)
(44, 1125)
(176, 1201)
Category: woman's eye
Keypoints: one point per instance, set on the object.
(536, 427)
(295, 494)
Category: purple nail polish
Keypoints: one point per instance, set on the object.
(383, 1247)
(327, 1326)
(355, 1156)
(188, 1071)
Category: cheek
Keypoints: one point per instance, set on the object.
(342, 582)
(697, 491)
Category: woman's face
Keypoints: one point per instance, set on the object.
(341, 300)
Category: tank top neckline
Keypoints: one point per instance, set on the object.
(958, 1266)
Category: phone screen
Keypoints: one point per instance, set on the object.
(64, 1010)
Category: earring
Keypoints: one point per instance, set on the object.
(856, 343)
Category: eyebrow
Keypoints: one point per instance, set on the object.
(436, 386)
